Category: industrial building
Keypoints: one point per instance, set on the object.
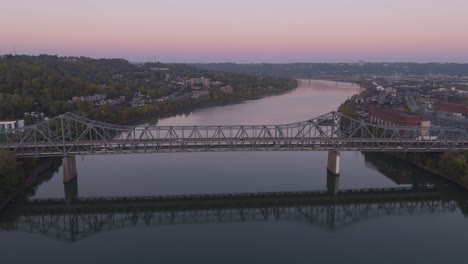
(451, 108)
(388, 117)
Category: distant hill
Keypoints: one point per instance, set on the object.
(309, 70)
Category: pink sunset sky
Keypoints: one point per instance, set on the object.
(239, 30)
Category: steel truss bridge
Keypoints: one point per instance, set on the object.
(70, 135)
(88, 216)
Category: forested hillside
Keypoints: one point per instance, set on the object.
(48, 83)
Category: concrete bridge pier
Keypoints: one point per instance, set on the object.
(333, 183)
(334, 162)
(71, 190)
(69, 169)
(70, 179)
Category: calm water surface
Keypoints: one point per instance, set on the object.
(399, 235)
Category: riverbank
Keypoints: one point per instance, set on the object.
(225, 101)
(36, 172)
(125, 114)
(439, 164)
(204, 104)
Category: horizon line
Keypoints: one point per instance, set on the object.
(232, 62)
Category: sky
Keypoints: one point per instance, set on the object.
(242, 31)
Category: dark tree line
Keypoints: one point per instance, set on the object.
(308, 70)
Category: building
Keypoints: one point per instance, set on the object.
(226, 89)
(392, 118)
(89, 98)
(198, 94)
(6, 125)
(216, 83)
(159, 69)
(390, 90)
(200, 81)
(360, 100)
(451, 108)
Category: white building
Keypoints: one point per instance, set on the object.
(6, 125)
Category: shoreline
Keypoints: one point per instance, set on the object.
(433, 171)
(34, 176)
(157, 116)
(152, 117)
(230, 101)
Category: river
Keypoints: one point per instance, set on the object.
(431, 231)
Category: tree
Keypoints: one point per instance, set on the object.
(452, 165)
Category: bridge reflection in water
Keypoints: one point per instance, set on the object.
(72, 219)
(75, 221)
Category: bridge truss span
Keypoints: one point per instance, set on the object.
(70, 134)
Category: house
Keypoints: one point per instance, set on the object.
(7, 125)
(198, 94)
(201, 81)
(360, 100)
(391, 91)
(226, 89)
